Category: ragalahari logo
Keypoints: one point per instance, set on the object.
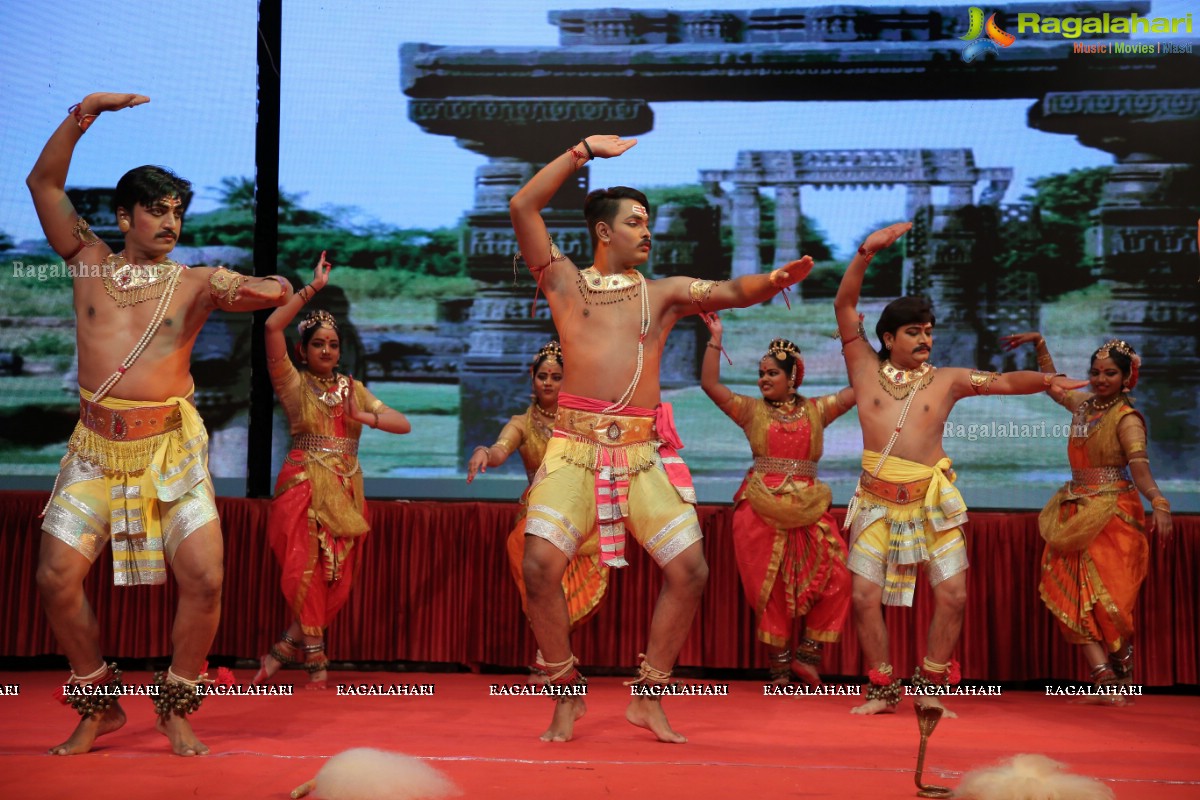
(995, 36)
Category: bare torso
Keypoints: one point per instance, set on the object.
(600, 342)
(920, 439)
(106, 333)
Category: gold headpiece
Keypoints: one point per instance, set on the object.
(1124, 348)
(320, 318)
(551, 351)
(780, 349)
(1121, 346)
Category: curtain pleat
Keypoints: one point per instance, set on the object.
(434, 586)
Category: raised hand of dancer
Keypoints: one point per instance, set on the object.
(320, 273)
(98, 102)
(1015, 340)
(608, 146)
(885, 237)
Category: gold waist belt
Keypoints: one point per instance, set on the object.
(130, 424)
(316, 443)
(795, 467)
(895, 492)
(610, 430)
(1095, 476)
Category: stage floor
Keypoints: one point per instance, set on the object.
(742, 745)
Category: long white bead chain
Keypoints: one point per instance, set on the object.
(160, 313)
(645, 329)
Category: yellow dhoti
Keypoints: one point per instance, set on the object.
(136, 473)
(907, 516)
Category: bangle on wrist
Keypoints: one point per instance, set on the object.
(482, 447)
(865, 253)
(84, 121)
(285, 288)
(1048, 377)
(376, 413)
(587, 147)
(713, 345)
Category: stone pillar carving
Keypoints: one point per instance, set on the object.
(745, 220)
(918, 201)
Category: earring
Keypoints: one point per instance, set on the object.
(123, 225)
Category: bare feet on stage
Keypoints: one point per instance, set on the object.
(647, 712)
(88, 730)
(806, 673)
(928, 700)
(874, 707)
(179, 732)
(562, 724)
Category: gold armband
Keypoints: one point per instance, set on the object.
(699, 292)
(981, 381)
(224, 287)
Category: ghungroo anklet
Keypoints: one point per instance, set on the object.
(883, 686)
(563, 673)
(177, 695)
(781, 665)
(102, 692)
(809, 652)
(648, 676)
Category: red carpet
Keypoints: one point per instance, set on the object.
(742, 746)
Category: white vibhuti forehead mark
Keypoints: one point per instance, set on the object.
(641, 211)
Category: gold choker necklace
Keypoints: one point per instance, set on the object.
(598, 289)
(899, 383)
(130, 284)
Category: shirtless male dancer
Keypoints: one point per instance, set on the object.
(906, 513)
(613, 456)
(136, 469)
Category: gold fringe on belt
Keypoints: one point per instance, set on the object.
(129, 457)
(628, 459)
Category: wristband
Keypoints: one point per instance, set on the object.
(587, 147)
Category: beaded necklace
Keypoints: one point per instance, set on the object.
(627, 395)
(160, 313)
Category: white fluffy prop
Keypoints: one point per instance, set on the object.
(368, 774)
(1030, 777)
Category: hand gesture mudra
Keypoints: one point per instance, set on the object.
(1015, 340)
(98, 102)
(321, 273)
(608, 146)
(885, 237)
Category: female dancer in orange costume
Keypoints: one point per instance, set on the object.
(1096, 552)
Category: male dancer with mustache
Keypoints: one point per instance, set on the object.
(613, 455)
(136, 469)
(906, 512)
